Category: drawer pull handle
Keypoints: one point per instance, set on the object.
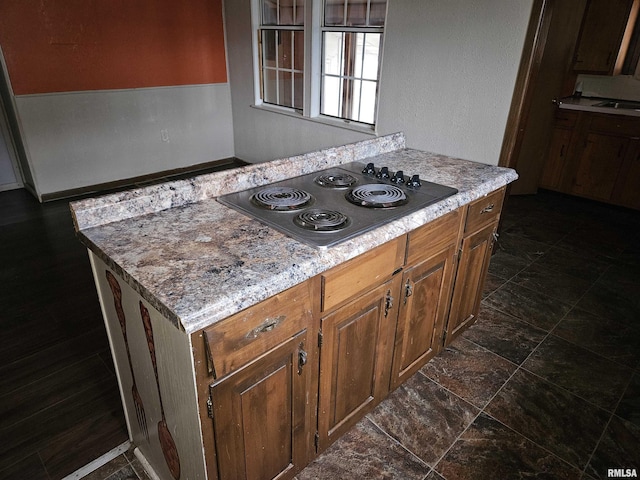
(487, 209)
(302, 359)
(268, 325)
(388, 303)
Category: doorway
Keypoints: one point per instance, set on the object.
(14, 164)
(10, 175)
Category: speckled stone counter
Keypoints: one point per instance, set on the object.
(198, 261)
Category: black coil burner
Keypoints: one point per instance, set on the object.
(336, 180)
(322, 220)
(282, 198)
(377, 195)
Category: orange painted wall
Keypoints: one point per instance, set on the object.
(72, 45)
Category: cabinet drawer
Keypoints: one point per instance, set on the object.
(245, 336)
(484, 210)
(357, 275)
(615, 124)
(566, 118)
(433, 237)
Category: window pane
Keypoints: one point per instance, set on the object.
(377, 13)
(298, 91)
(331, 96)
(285, 84)
(298, 50)
(299, 15)
(354, 113)
(332, 53)
(285, 48)
(368, 102)
(357, 13)
(269, 48)
(270, 86)
(371, 55)
(269, 12)
(334, 12)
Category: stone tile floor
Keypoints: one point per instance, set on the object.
(546, 384)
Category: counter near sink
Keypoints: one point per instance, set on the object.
(602, 105)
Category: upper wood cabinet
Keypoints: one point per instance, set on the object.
(605, 32)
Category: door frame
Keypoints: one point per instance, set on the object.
(532, 53)
(11, 130)
(5, 130)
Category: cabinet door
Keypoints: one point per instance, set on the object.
(601, 35)
(472, 271)
(260, 415)
(556, 162)
(627, 190)
(423, 309)
(355, 359)
(599, 166)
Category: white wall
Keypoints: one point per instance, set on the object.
(448, 75)
(81, 139)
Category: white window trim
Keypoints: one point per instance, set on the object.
(312, 72)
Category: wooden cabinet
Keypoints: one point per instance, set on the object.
(595, 157)
(280, 381)
(473, 263)
(354, 359)
(606, 29)
(258, 418)
(626, 191)
(599, 165)
(259, 415)
(426, 294)
(552, 174)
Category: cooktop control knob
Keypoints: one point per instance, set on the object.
(398, 177)
(414, 182)
(369, 169)
(383, 173)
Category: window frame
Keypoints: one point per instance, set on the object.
(313, 31)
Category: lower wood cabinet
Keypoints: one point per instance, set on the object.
(356, 340)
(260, 415)
(475, 254)
(599, 166)
(595, 155)
(481, 225)
(425, 295)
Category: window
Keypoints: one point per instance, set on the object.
(321, 57)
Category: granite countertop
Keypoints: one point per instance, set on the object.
(587, 104)
(198, 261)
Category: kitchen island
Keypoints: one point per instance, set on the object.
(234, 344)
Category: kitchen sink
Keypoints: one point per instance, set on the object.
(626, 105)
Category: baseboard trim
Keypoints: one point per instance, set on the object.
(143, 180)
(98, 462)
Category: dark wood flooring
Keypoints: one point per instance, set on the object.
(59, 400)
